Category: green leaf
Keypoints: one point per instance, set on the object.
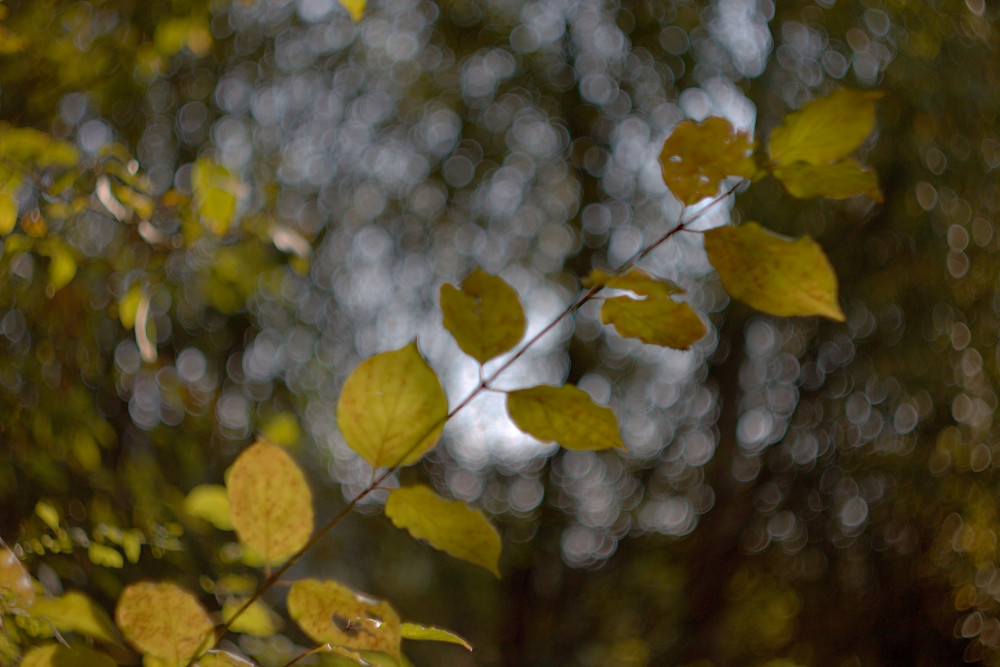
(331, 612)
(392, 408)
(451, 526)
(16, 590)
(657, 321)
(257, 620)
(356, 8)
(163, 620)
(839, 180)
(269, 502)
(485, 316)
(771, 273)
(105, 556)
(8, 214)
(826, 129)
(566, 415)
(75, 612)
(428, 633)
(697, 157)
(636, 280)
(55, 655)
(210, 502)
(216, 194)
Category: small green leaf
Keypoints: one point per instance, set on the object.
(771, 273)
(392, 408)
(105, 556)
(269, 502)
(356, 8)
(163, 620)
(55, 655)
(826, 129)
(697, 157)
(451, 526)
(75, 612)
(485, 316)
(8, 214)
(257, 620)
(210, 502)
(428, 633)
(657, 321)
(566, 415)
(839, 180)
(329, 612)
(636, 280)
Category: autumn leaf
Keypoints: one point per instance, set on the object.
(429, 633)
(329, 612)
(269, 502)
(485, 316)
(356, 8)
(451, 526)
(773, 274)
(75, 612)
(216, 193)
(16, 591)
(8, 214)
(256, 620)
(392, 408)
(839, 180)
(566, 415)
(55, 655)
(218, 658)
(697, 157)
(210, 502)
(163, 620)
(657, 321)
(635, 280)
(825, 129)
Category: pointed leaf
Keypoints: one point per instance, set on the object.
(658, 321)
(566, 415)
(451, 526)
(636, 280)
(269, 502)
(75, 612)
(55, 655)
(210, 502)
(356, 8)
(826, 129)
(771, 273)
(697, 157)
(392, 408)
(484, 316)
(16, 591)
(839, 180)
(428, 633)
(331, 612)
(163, 620)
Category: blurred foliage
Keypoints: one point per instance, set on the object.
(212, 211)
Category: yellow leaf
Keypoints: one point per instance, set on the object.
(105, 556)
(216, 194)
(163, 620)
(826, 129)
(219, 658)
(392, 408)
(16, 591)
(210, 502)
(771, 273)
(839, 180)
(451, 526)
(697, 157)
(329, 612)
(62, 263)
(55, 655)
(281, 429)
(8, 214)
(48, 514)
(566, 415)
(654, 320)
(75, 612)
(636, 280)
(270, 502)
(356, 8)
(484, 316)
(257, 620)
(429, 633)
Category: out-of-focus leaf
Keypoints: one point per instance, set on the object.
(105, 556)
(62, 263)
(331, 612)
(48, 514)
(451, 526)
(839, 180)
(16, 591)
(825, 129)
(211, 503)
(566, 415)
(654, 320)
(219, 658)
(163, 620)
(485, 316)
(75, 612)
(392, 408)
(635, 280)
(56, 655)
(257, 620)
(771, 273)
(8, 214)
(428, 633)
(270, 502)
(356, 8)
(216, 194)
(282, 429)
(697, 157)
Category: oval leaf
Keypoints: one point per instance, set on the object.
(485, 316)
(330, 612)
(210, 502)
(658, 321)
(771, 273)
(392, 408)
(270, 502)
(451, 526)
(54, 655)
(257, 620)
(697, 157)
(75, 612)
(826, 129)
(163, 620)
(428, 633)
(839, 180)
(566, 415)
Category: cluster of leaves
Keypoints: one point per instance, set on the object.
(392, 408)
